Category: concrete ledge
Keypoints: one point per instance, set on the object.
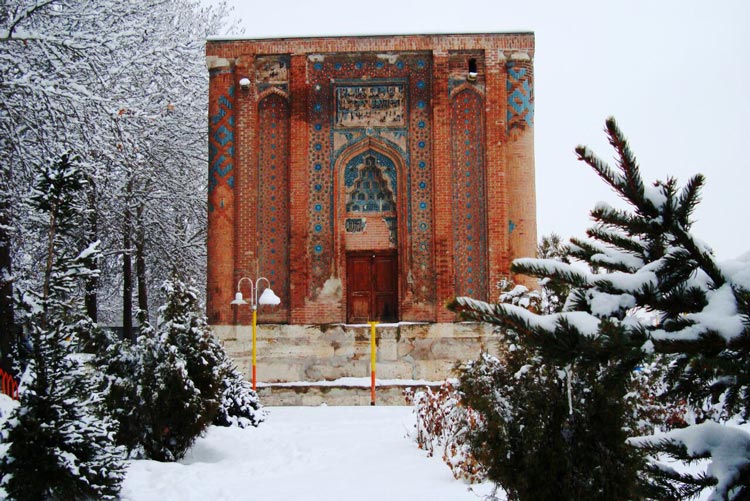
(312, 394)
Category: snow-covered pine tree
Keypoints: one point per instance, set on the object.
(57, 448)
(554, 292)
(119, 378)
(184, 326)
(534, 412)
(172, 405)
(239, 404)
(228, 398)
(648, 260)
(146, 388)
(173, 382)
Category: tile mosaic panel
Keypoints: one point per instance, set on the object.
(221, 143)
(469, 219)
(520, 87)
(273, 192)
(370, 106)
(412, 71)
(371, 184)
(272, 71)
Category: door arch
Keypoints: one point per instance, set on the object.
(370, 220)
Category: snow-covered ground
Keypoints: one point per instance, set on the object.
(305, 453)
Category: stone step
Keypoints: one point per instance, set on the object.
(328, 352)
(345, 391)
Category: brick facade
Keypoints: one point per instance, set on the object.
(422, 145)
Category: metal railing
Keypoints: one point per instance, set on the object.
(9, 385)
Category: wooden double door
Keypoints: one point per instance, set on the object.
(372, 286)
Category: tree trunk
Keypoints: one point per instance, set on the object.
(127, 269)
(51, 232)
(91, 232)
(7, 323)
(140, 263)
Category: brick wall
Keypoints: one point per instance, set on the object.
(463, 188)
(221, 179)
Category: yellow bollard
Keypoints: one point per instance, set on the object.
(373, 357)
(255, 322)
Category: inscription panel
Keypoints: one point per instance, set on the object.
(355, 225)
(370, 106)
(272, 69)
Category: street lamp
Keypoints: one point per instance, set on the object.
(268, 297)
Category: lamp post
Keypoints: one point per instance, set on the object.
(268, 297)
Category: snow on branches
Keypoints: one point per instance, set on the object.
(651, 286)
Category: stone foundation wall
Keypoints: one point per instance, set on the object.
(313, 395)
(289, 353)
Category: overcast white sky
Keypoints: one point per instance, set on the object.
(675, 74)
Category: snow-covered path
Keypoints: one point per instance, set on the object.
(304, 453)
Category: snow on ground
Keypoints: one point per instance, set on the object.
(305, 453)
(7, 405)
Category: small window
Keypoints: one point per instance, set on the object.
(472, 75)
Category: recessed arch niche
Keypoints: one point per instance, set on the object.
(371, 229)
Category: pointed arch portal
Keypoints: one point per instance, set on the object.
(370, 212)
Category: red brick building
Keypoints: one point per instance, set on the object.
(368, 177)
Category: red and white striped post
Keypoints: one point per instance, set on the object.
(373, 358)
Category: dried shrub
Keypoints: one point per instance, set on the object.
(444, 425)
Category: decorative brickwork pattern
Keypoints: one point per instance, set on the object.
(379, 88)
(521, 219)
(420, 224)
(273, 192)
(321, 184)
(520, 87)
(221, 143)
(469, 205)
(221, 181)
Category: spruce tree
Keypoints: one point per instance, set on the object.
(172, 405)
(239, 404)
(185, 327)
(548, 429)
(57, 447)
(227, 397)
(645, 259)
(120, 379)
(173, 382)
(148, 390)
